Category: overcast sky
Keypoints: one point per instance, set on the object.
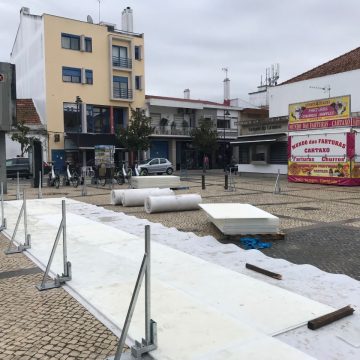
(188, 42)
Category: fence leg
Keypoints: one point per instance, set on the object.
(27, 243)
(226, 182)
(66, 276)
(203, 186)
(84, 189)
(150, 342)
(40, 186)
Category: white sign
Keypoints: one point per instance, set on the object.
(319, 148)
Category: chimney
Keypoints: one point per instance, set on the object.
(226, 91)
(187, 94)
(24, 11)
(127, 20)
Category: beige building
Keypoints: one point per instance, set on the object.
(83, 79)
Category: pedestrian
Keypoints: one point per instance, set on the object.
(206, 163)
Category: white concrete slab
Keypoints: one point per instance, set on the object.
(236, 218)
(200, 307)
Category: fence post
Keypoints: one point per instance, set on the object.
(3, 220)
(203, 186)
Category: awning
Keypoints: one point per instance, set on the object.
(268, 138)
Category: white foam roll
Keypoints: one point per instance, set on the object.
(172, 203)
(136, 197)
(116, 197)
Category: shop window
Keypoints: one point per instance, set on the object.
(259, 152)
(72, 118)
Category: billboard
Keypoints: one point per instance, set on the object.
(319, 114)
(327, 158)
(104, 154)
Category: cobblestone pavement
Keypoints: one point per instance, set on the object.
(44, 325)
(321, 224)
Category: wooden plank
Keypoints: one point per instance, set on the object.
(329, 318)
(263, 271)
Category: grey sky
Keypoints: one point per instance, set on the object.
(188, 42)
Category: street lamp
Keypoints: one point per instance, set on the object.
(226, 113)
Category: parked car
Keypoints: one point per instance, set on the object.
(155, 166)
(18, 165)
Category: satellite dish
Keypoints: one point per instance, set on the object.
(89, 19)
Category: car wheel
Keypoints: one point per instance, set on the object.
(169, 171)
(144, 172)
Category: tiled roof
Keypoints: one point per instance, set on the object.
(347, 62)
(26, 112)
(183, 99)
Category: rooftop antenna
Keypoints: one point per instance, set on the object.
(325, 88)
(225, 69)
(89, 19)
(99, 1)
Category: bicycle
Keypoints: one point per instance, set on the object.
(71, 178)
(53, 179)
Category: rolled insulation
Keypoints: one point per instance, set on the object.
(116, 197)
(136, 197)
(172, 203)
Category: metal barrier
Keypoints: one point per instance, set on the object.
(277, 188)
(229, 182)
(66, 276)
(40, 186)
(150, 342)
(3, 220)
(27, 243)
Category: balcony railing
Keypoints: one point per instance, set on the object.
(122, 93)
(230, 133)
(171, 130)
(122, 62)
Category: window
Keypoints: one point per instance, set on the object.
(76, 42)
(154, 162)
(137, 52)
(138, 83)
(88, 44)
(71, 75)
(162, 161)
(89, 77)
(70, 42)
(120, 88)
(75, 75)
(259, 152)
(72, 118)
(120, 57)
(98, 119)
(223, 124)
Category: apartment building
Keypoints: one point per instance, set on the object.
(174, 118)
(82, 77)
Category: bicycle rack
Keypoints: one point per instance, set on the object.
(66, 276)
(150, 342)
(3, 220)
(277, 188)
(27, 243)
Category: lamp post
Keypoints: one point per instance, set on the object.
(226, 113)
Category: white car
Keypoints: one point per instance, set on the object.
(155, 166)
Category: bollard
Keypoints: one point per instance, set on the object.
(40, 186)
(226, 186)
(203, 182)
(17, 187)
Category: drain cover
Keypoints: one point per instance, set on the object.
(307, 208)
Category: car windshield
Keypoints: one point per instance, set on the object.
(145, 161)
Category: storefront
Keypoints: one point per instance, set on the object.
(323, 145)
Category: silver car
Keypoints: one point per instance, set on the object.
(155, 166)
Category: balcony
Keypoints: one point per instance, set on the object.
(122, 93)
(229, 133)
(121, 62)
(172, 131)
